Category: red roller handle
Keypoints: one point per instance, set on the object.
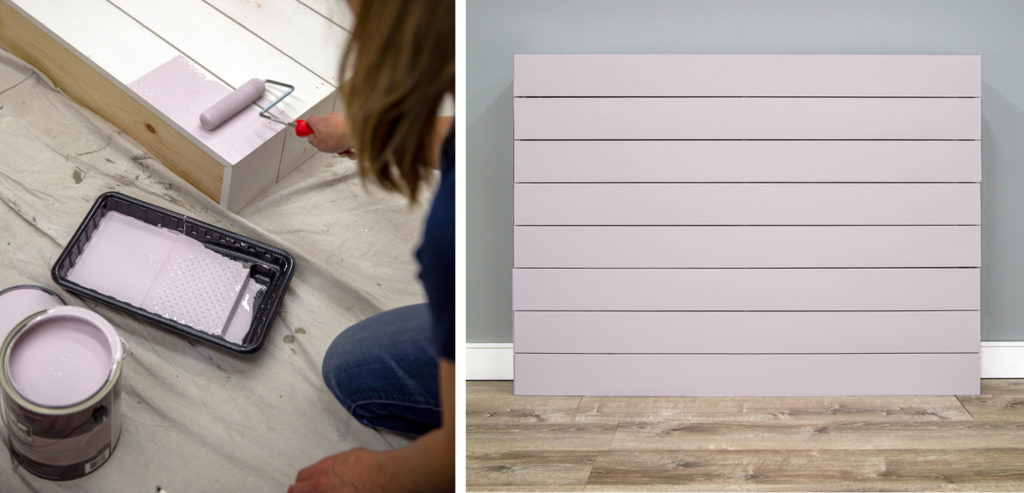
(302, 129)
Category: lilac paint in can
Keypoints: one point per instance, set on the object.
(61, 391)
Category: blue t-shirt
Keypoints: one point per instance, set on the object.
(437, 255)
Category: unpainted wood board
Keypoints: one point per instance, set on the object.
(748, 75)
(747, 161)
(596, 204)
(529, 470)
(306, 36)
(746, 332)
(747, 246)
(96, 91)
(745, 289)
(747, 118)
(954, 469)
(746, 374)
(227, 49)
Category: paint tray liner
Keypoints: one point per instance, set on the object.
(176, 272)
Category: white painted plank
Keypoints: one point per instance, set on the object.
(746, 204)
(297, 150)
(306, 36)
(247, 179)
(337, 11)
(227, 49)
(748, 75)
(748, 374)
(747, 332)
(747, 118)
(98, 32)
(747, 246)
(745, 289)
(747, 161)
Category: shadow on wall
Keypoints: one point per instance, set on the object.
(489, 161)
(1002, 231)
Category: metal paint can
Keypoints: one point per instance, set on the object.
(61, 391)
(18, 302)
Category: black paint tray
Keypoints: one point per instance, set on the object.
(271, 267)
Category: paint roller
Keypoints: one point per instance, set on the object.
(245, 95)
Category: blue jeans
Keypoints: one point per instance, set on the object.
(384, 371)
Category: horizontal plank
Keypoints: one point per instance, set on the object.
(747, 118)
(900, 469)
(748, 75)
(747, 246)
(560, 436)
(747, 332)
(677, 435)
(87, 82)
(338, 12)
(281, 22)
(529, 471)
(746, 374)
(75, 25)
(746, 204)
(821, 410)
(747, 161)
(228, 50)
(745, 289)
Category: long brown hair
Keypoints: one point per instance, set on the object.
(402, 63)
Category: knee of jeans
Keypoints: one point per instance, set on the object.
(338, 354)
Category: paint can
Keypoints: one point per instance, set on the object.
(61, 391)
(18, 302)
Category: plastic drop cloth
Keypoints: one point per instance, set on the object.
(196, 418)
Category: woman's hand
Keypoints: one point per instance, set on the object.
(330, 133)
(357, 470)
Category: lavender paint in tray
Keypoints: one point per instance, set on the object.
(168, 274)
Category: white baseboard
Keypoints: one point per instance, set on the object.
(1002, 359)
(489, 361)
(493, 360)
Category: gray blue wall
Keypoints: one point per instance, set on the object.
(498, 29)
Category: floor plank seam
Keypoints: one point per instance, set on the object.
(965, 407)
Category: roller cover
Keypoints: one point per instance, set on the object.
(231, 104)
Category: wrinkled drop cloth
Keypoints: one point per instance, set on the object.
(198, 418)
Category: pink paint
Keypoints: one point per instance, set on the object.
(123, 258)
(63, 357)
(161, 271)
(19, 302)
(182, 93)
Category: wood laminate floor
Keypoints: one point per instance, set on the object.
(933, 443)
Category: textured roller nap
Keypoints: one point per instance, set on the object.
(234, 102)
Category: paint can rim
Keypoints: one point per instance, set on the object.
(118, 352)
